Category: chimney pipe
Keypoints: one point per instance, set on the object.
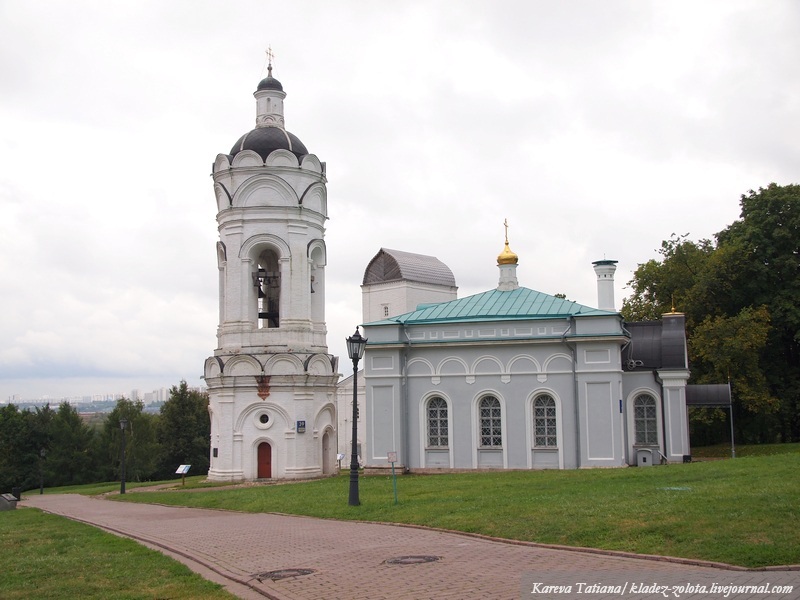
(605, 283)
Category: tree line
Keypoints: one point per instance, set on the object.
(56, 447)
(740, 293)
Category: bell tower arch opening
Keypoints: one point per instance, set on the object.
(267, 280)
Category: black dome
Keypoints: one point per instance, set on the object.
(265, 140)
(270, 83)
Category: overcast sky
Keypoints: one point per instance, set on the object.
(598, 129)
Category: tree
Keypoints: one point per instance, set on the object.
(660, 286)
(768, 236)
(70, 460)
(25, 443)
(185, 430)
(142, 451)
(740, 296)
(729, 349)
(15, 468)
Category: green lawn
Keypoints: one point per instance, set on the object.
(744, 511)
(724, 450)
(44, 556)
(97, 489)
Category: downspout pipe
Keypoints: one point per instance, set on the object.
(623, 408)
(404, 398)
(663, 421)
(573, 349)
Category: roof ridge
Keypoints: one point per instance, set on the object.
(497, 304)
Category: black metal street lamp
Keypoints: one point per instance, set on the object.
(123, 423)
(355, 350)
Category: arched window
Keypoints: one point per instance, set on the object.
(645, 423)
(544, 422)
(437, 423)
(385, 310)
(491, 422)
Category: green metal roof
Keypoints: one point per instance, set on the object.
(494, 305)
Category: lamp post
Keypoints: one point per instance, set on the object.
(123, 423)
(355, 350)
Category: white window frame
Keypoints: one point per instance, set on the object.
(550, 429)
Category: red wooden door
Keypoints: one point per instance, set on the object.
(264, 461)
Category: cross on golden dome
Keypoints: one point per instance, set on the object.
(507, 257)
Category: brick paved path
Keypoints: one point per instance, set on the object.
(349, 559)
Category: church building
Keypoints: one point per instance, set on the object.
(510, 378)
(513, 378)
(271, 381)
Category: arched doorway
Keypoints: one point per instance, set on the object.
(327, 457)
(264, 460)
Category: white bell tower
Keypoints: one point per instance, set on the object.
(271, 381)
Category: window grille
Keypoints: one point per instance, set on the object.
(544, 422)
(644, 419)
(437, 423)
(491, 422)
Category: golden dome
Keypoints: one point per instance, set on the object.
(507, 257)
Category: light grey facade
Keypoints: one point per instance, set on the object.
(517, 379)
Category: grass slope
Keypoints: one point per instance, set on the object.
(45, 556)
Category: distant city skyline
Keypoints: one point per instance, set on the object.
(159, 394)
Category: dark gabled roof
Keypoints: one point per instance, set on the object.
(395, 265)
(496, 305)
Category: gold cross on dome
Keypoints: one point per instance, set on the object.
(505, 224)
(270, 56)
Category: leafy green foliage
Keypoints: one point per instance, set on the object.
(660, 286)
(57, 448)
(71, 459)
(141, 446)
(741, 297)
(728, 348)
(16, 456)
(185, 430)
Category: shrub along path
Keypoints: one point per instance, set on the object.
(354, 560)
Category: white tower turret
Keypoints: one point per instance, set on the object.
(605, 283)
(271, 380)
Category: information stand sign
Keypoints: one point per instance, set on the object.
(182, 471)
